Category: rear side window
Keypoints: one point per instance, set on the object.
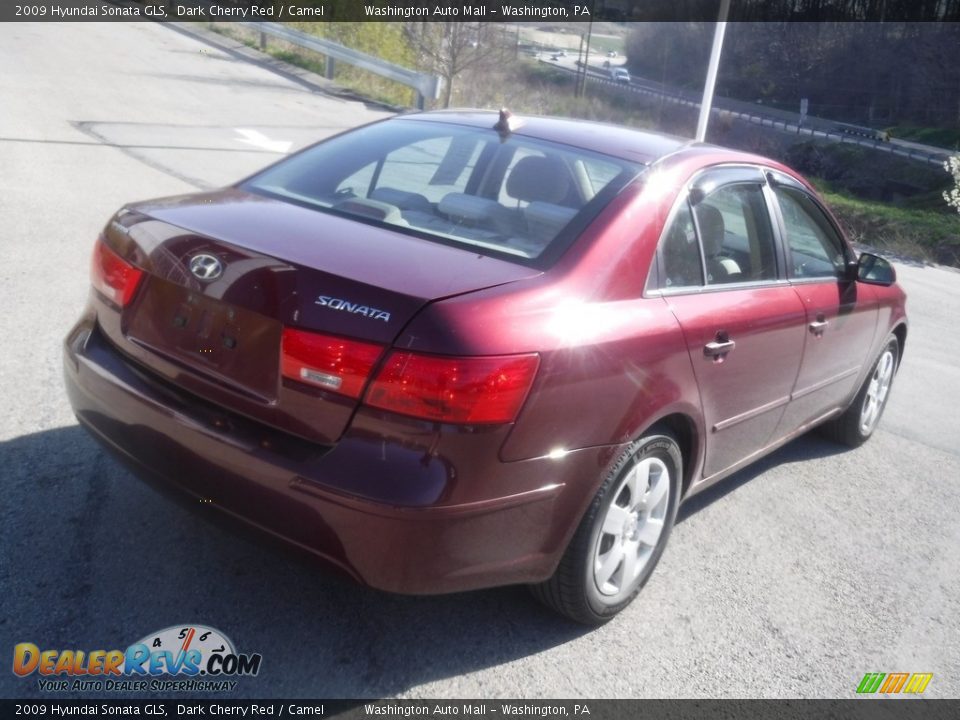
(815, 249)
(598, 172)
(515, 196)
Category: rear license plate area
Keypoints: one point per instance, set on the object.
(238, 347)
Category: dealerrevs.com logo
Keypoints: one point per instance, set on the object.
(201, 658)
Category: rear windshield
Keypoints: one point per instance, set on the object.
(515, 197)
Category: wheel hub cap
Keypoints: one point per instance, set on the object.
(631, 528)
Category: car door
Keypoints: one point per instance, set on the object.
(722, 275)
(841, 314)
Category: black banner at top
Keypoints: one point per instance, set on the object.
(550, 11)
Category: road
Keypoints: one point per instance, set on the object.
(791, 579)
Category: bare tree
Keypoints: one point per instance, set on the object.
(450, 48)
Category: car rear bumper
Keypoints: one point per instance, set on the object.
(397, 508)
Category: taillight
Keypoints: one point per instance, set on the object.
(329, 362)
(112, 276)
(454, 389)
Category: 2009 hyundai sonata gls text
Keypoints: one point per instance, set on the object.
(453, 350)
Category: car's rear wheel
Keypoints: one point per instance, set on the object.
(621, 537)
(856, 424)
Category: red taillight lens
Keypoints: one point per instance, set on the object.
(112, 276)
(332, 363)
(454, 389)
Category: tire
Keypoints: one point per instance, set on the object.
(601, 572)
(856, 424)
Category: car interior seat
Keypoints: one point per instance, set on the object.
(544, 184)
(710, 223)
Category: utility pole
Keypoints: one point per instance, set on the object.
(708, 88)
(586, 60)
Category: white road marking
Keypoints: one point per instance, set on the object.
(258, 139)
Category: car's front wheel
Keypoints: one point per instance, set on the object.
(856, 424)
(621, 537)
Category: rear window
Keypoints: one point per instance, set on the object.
(516, 197)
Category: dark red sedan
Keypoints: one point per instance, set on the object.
(453, 350)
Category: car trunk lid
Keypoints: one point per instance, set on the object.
(262, 265)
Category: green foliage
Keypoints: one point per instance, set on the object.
(382, 40)
(924, 234)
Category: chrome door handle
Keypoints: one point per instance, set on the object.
(819, 325)
(718, 348)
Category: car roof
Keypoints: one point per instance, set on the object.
(629, 143)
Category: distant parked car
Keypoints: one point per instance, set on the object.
(451, 350)
(612, 53)
(620, 75)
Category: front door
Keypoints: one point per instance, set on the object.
(841, 314)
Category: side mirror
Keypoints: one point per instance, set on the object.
(874, 270)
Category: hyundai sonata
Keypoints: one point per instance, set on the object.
(453, 350)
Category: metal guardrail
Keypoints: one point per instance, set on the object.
(425, 84)
(721, 106)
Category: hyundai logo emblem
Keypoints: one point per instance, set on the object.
(206, 267)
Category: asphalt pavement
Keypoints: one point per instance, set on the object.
(793, 578)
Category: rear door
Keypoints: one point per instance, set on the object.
(841, 314)
(722, 276)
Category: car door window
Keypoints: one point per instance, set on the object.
(814, 247)
(736, 234)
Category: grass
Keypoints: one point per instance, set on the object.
(930, 235)
(548, 90)
(948, 138)
(603, 44)
(365, 84)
